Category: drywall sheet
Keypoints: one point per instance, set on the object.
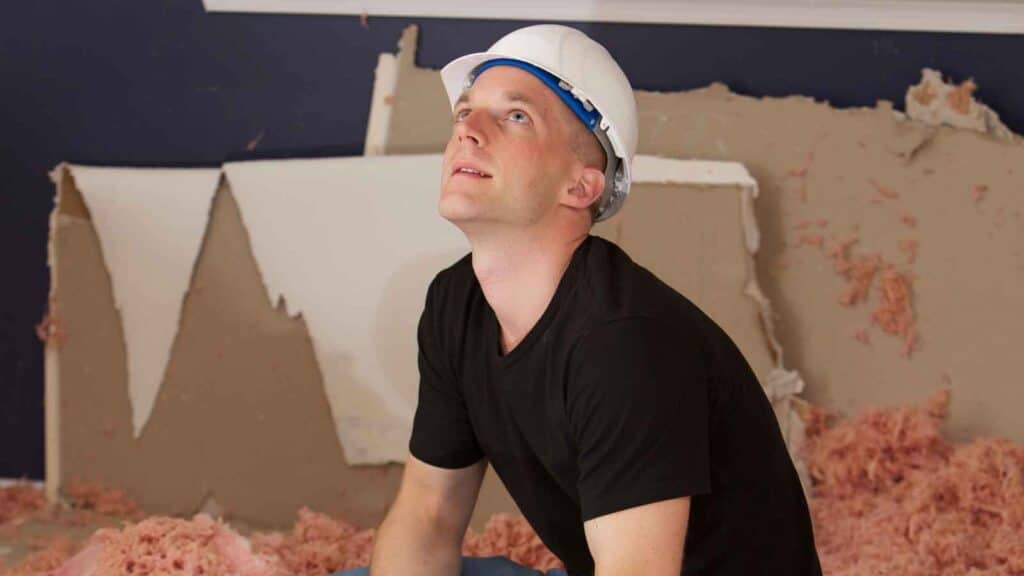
(150, 224)
(241, 419)
(351, 244)
(892, 249)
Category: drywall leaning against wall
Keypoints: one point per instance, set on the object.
(291, 359)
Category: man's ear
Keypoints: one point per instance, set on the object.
(586, 190)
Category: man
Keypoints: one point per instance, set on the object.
(624, 422)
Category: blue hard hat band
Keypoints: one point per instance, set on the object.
(589, 118)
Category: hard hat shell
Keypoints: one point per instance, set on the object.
(591, 74)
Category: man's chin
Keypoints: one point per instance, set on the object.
(458, 214)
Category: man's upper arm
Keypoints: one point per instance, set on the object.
(442, 431)
(645, 539)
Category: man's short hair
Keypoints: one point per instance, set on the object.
(585, 145)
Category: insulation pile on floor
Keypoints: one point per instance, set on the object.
(890, 495)
(316, 545)
(165, 546)
(18, 502)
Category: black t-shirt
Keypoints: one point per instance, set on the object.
(624, 393)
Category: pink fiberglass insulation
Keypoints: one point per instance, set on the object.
(170, 547)
(891, 496)
(20, 501)
(90, 496)
(511, 536)
(317, 545)
(51, 556)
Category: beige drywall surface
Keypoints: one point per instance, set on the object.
(866, 173)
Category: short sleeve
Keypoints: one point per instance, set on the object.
(442, 434)
(639, 411)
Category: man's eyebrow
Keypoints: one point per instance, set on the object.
(511, 96)
(518, 97)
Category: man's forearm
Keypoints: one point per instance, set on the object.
(414, 544)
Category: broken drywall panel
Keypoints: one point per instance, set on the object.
(655, 169)
(385, 77)
(875, 295)
(242, 411)
(417, 89)
(150, 224)
(936, 102)
(351, 244)
(827, 176)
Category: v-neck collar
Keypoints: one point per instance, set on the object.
(565, 286)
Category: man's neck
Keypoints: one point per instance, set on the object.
(519, 273)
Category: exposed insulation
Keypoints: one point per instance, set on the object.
(511, 536)
(893, 313)
(936, 102)
(44, 561)
(19, 501)
(161, 546)
(93, 497)
(892, 496)
(317, 545)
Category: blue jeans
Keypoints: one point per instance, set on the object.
(491, 566)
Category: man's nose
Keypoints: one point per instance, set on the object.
(470, 130)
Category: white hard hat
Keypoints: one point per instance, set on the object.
(585, 70)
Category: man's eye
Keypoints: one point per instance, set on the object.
(461, 114)
(518, 116)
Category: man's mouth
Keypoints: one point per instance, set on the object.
(470, 171)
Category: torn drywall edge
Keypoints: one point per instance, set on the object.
(406, 55)
(656, 169)
(706, 172)
(362, 327)
(385, 80)
(935, 102)
(51, 365)
(150, 223)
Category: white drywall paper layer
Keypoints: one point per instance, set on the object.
(351, 244)
(150, 223)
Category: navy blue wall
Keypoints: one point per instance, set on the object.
(161, 83)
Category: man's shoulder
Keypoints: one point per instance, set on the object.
(457, 278)
(620, 288)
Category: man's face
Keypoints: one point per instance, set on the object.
(509, 156)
